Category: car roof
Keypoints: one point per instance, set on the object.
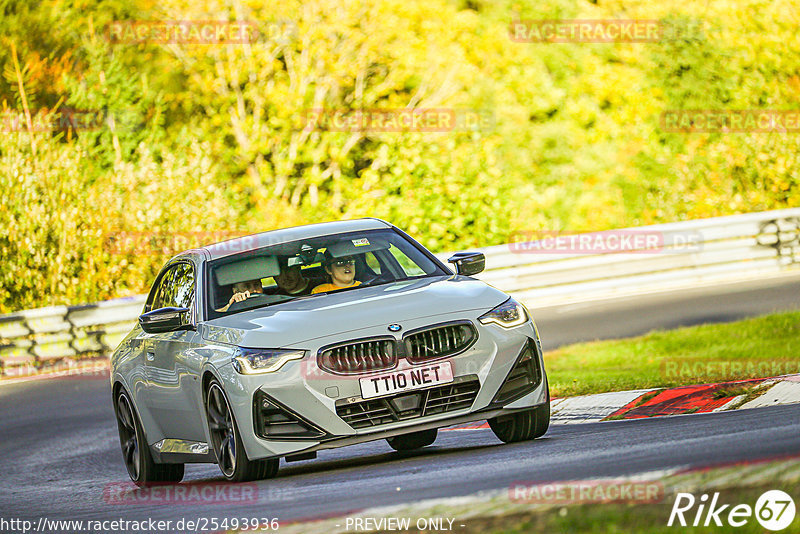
(284, 235)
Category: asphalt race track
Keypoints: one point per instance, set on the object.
(616, 318)
(59, 449)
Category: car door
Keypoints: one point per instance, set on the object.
(144, 345)
(174, 365)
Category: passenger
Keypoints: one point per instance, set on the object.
(342, 272)
(242, 291)
(291, 281)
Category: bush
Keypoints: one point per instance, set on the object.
(211, 138)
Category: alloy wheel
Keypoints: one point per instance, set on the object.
(127, 435)
(222, 429)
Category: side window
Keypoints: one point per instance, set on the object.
(158, 295)
(176, 288)
(182, 287)
(410, 268)
(269, 284)
(372, 262)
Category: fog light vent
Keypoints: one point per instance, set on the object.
(523, 378)
(272, 421)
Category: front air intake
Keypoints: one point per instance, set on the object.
(273, 421)
(524, 377)
(361, 356)
(441, 341)
(458, 395)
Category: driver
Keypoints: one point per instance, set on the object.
(342, 272)
(242, 291)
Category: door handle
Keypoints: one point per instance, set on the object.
(151, 356)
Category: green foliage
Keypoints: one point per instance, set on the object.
(211, 137)
(63, 231)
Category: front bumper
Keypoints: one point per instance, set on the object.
(302, 394)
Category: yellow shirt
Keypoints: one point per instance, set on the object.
(331, 287)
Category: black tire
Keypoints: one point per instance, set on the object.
(142, 469)
(415, 440)
(227, 442)
(522, 426)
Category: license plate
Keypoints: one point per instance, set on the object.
(418, 377)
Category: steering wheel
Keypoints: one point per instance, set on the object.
(384, 277)
(253, 300)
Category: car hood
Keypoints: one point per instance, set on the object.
(291, 323)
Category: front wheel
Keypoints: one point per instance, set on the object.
(415, 440)
(141, 467)
(522, 426)
(227, 442)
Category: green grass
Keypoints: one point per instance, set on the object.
(753, 348)
(733, 391)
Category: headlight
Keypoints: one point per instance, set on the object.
(256, 361)
(508, 315)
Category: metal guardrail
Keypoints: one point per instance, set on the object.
(32, 339)
(686, 254)
(539, 273)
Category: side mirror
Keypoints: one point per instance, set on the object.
(165, 320)
(468, 263)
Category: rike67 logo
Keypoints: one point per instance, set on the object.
(774, 510)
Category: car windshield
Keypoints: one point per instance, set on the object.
(311, 267)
